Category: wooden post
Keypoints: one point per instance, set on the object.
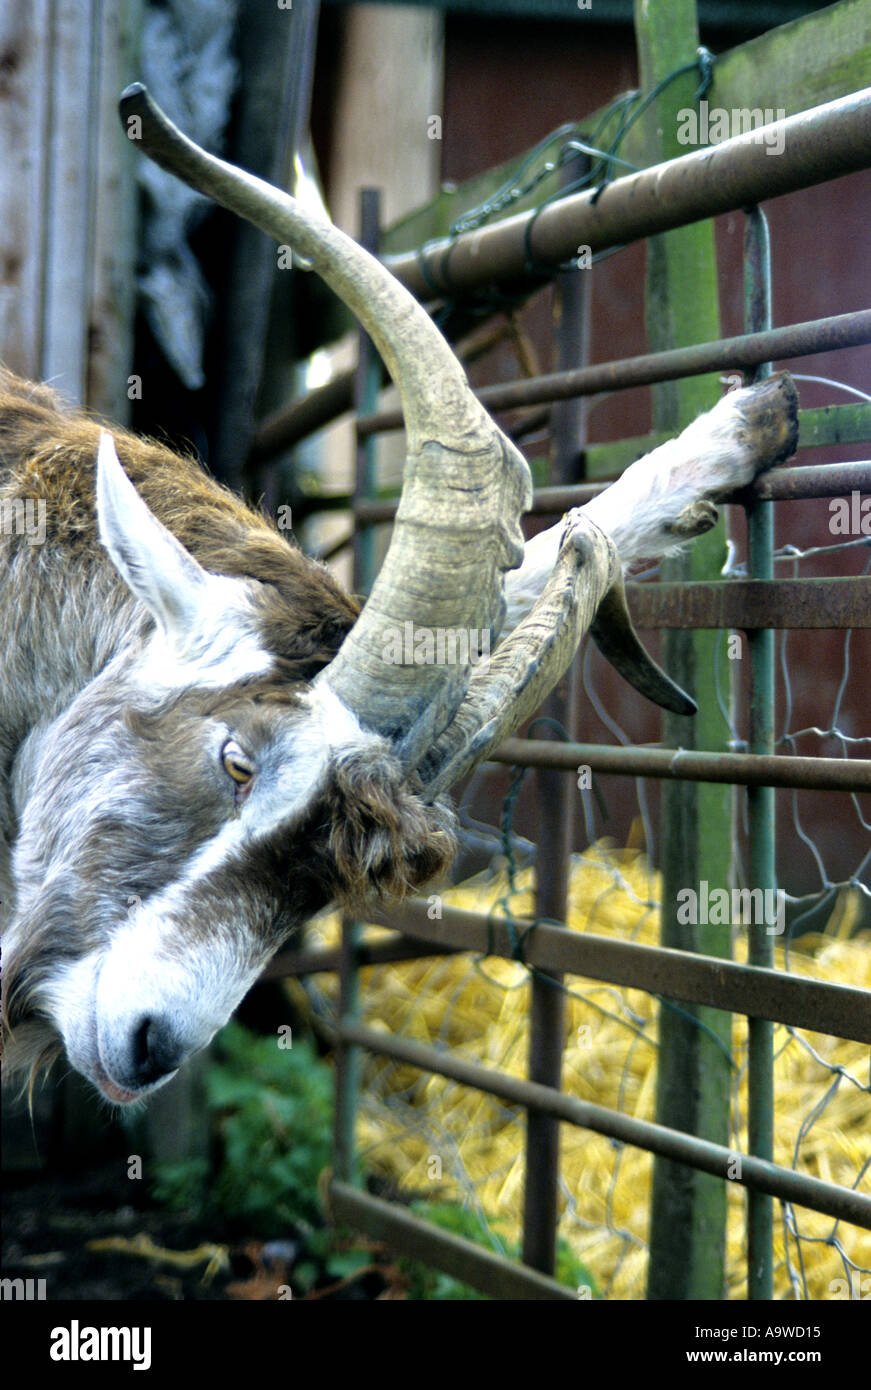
(277, 49)
(67, 199)
(688, 1216)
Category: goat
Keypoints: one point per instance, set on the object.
(201, 741)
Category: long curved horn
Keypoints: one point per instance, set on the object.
(465, 485)
(458, 524)
(529, 661)
(586, 582)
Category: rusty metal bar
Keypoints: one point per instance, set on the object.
(321, 960)
(827, 604)
(753, 603)
(745, 769)
(485, 1270)
(296, 421)
(794, 484)
(291, 423)
(347, 1061)
(777, 485)
(839, 1010)
(818, 145)
(842, 1203)
(725, 354)
(555, 809)
(321, 406)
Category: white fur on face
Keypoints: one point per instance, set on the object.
(294, 773)
(224, 650)
(97, 1002)
(150, 967)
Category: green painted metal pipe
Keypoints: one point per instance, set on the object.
(760, 799)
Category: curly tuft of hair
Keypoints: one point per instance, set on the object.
(385, 840)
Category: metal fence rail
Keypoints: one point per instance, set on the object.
(549, 951)
(818, 145)
(840, 1202)
(839, 1010)
(727, 354)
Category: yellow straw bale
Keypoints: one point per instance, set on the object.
(428, 1135)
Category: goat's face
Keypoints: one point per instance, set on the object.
(181, 817)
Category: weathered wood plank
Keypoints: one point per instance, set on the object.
(112, 289)
(23, 120)
(799, 65)
(69, 163)
(66, 202)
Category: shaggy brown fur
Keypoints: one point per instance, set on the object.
(49, 452)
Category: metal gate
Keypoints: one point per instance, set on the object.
(832, 139)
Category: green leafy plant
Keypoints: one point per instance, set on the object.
(271, 1109)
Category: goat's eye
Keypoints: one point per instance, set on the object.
(237, 764)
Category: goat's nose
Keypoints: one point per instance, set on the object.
(156, 1050)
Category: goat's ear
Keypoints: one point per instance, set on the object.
(153, 564)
